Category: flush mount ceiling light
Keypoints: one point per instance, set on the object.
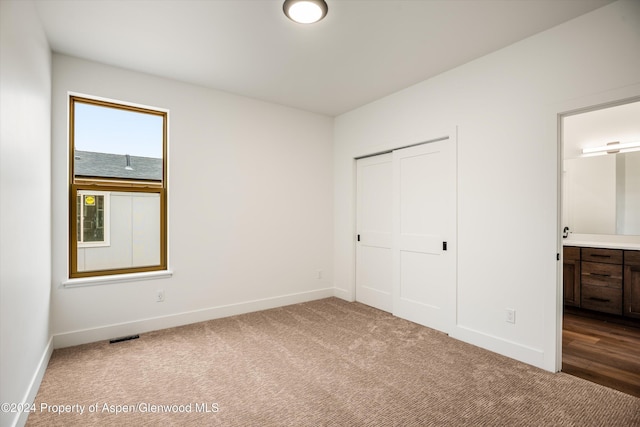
(612, 148)
(305, 11)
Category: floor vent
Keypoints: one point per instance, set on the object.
(130, 337)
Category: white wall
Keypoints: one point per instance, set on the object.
(505, 106)
(25, 196)
(632, 194)
(250, 207)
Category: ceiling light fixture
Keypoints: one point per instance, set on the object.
(305, 11)
(612, 148)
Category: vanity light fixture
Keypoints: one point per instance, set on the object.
(305, 11)
(612, 148)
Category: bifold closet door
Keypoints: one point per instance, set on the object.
(424, 234)
(374, 227)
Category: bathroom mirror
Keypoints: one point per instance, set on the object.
(602, 194)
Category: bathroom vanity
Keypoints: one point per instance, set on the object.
(601, 221)
(602, 276)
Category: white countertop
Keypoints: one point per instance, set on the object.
(603, 241)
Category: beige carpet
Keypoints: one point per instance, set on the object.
(325, 362)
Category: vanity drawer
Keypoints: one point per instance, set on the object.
(598, 298)
(571, 253)
(631, 257)
(609, 256)
(600, 274)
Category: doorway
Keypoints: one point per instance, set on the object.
(601, 242)
(406, 232)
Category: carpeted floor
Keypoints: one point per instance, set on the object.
(326, 362)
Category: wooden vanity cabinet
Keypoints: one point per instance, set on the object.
(632, 284)
(601, 280)
(571, 275)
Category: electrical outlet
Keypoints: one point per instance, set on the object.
(160, 295)
(511, 315)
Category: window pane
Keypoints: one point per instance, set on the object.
(93, 219)
(133, 232)
(117, 143)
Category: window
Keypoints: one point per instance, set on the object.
(92, 218)
(117, 206)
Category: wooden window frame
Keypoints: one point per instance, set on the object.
(114, 185)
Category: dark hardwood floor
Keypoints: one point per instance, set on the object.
(601, 351)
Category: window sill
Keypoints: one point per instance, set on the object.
(116, 278)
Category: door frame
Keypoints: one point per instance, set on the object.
(599, 101)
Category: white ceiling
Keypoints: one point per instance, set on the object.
(363, 50)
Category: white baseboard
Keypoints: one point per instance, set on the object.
(85, 336)
(520, 352)
(343, 294)
(30, 396)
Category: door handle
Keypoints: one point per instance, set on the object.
(600, 274)
(598, 299)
